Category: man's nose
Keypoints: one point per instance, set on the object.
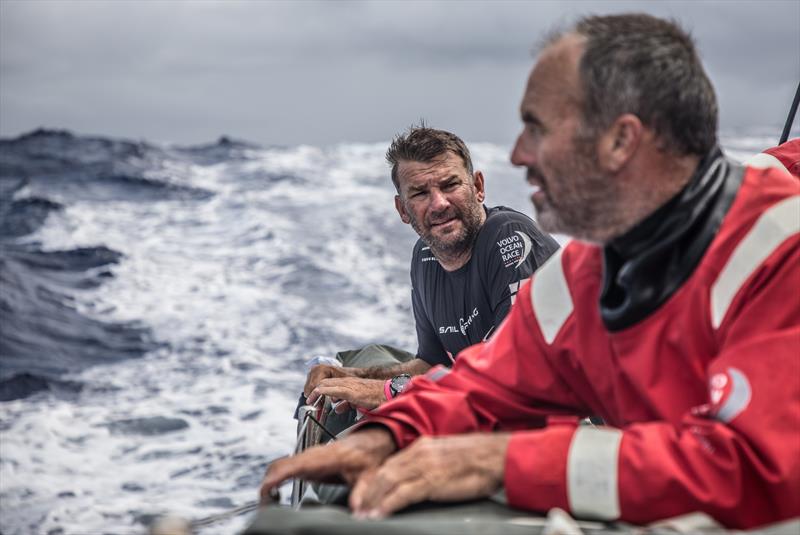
(521, 155)
(439, 200)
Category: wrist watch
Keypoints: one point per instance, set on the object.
(397, 384)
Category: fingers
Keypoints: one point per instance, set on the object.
(439, 469)
(339, 389)
(332, 390)
(399, 497)
(278, 472)
(313, 397)
(315, 463)
(376, 485)
(317, 374)
(351, 391)
(379, 493)
(346, 458)
(364, 393)
(275, 475)
(360, 490)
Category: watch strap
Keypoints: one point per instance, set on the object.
(387, 389)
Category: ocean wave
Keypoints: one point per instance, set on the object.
(224, 149)
(43, 335)
(60, 166)
(24, 216)
(23, 385)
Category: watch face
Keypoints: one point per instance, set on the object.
(399, 383)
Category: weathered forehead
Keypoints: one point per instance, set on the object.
(555, 76)
(443, 167)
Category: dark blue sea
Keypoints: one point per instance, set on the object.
(158, 303)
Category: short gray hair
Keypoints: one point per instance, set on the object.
(640, 64)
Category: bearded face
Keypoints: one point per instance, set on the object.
(442, 203)
(451, 230)
(572, 195)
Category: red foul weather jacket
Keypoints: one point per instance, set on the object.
(787, 155)
(699, 388)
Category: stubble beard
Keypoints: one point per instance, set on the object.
(586, 202)
(452, 246)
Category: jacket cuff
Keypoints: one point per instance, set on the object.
(536, 468)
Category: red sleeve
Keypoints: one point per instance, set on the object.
(788, 154)
(736, 458)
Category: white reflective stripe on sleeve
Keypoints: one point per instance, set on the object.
(778, 223)
(550, 297)
(592, 473)
(764, 161)
(437, 373)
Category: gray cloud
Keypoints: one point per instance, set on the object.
(324, 72)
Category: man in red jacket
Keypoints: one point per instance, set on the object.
(674, 316)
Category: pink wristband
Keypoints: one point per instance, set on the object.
(387, 390)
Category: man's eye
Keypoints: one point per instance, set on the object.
(535, 129)
(450, 186)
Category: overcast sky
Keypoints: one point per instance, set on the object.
(322, 73)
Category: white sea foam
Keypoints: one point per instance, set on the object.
(299, 252)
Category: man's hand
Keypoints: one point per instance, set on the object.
(323, 371)
(453, 468)
(364, 393)
(345, 459)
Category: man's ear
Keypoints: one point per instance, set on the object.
(619, 142)
(480, 190)
(398, 204)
